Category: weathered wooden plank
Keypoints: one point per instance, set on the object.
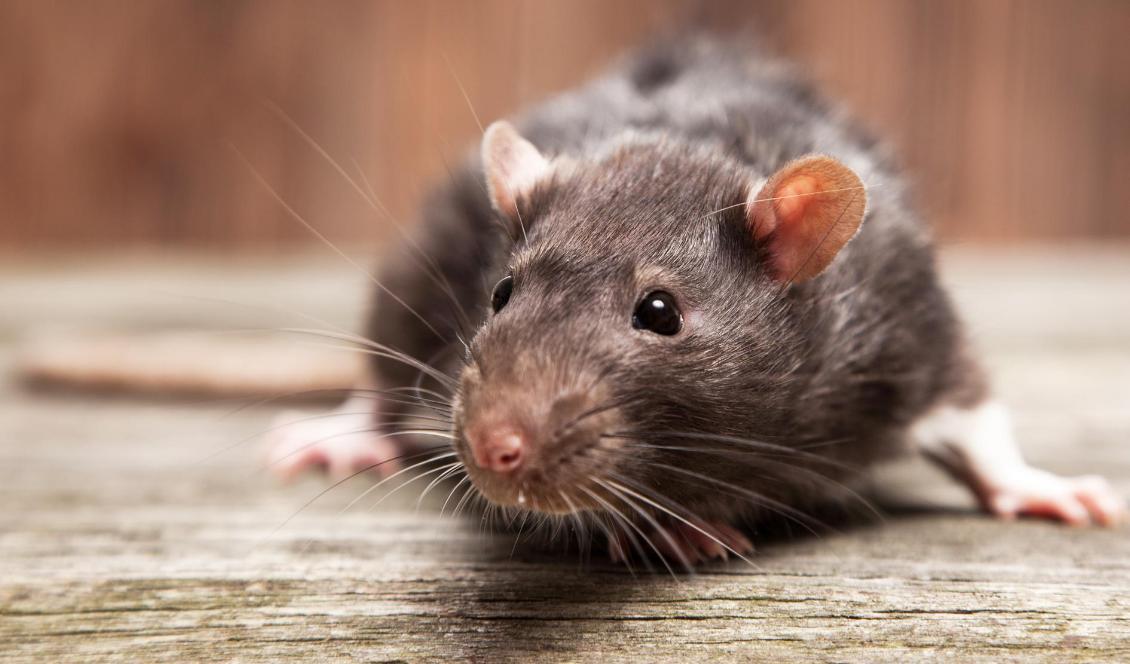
(124, 536)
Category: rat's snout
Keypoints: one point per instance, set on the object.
(530, 441)
(500, 449)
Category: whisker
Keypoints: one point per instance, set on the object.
(514, 547)
(311, 418)
(687, 566)
(747, 456)
(345, 334)
(774, 505)
(465, 480)
(435, 482)
(609, 530)
(419, 382)
(391, 434)
(583, 536)
(482, 130)
(777, 198)
(819, 244)
(614, 485)
(379, 350)
(757, 445)
(617, 514)
(347, 391)
(318, 234)
(594, 411)
(471, 493)
(336, 484)
(442, 469)
(370, 197)
(431, 268)
(398, 473)
(763, 459)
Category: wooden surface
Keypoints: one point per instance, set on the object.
(122, 536)
(117, 120)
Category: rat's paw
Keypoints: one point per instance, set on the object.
(687, 545)
(1073, 500)
(340, 443)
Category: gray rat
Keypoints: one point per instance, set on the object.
(674, 301)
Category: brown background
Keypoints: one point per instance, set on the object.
(123, 123)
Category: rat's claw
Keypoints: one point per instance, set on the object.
(715, 540)
(618, 547)
(341, 443)
(1074, 500)
(688, 545)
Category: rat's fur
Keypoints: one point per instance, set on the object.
(825, 376)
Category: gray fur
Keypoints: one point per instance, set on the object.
(836, 367)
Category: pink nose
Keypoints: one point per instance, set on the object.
(500, 450)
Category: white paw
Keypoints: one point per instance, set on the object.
(340, 442)
(1073, 500)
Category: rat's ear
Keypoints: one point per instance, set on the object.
(512, 166)
(806, 213)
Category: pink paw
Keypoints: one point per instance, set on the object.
(1073, 500)
(340, 443)
(685, 544)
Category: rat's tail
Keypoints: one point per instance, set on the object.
(183, 363)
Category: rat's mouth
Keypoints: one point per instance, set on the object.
(532, 491)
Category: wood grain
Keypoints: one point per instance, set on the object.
(125, 124)
(125, 536)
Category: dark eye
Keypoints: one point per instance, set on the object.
(501, 294)
(657, 313)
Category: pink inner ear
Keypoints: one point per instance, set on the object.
(806, 213)
(512, 164)
(793, 198)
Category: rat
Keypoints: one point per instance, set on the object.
(689, 294)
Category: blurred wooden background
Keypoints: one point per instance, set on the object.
(120, 122)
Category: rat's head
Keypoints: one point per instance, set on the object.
(641, 303)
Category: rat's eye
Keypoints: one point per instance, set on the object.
(501, 294)
(657, 313)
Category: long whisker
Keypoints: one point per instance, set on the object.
(778, 507)
(592, 412)
(391, 434)
(778, 198)
(465, 480)
(819, 244)
(347, 391)
(762, 459)
(398, 473)
(345, 334)
(619, 516)
(370, 197)
(442, 469)
(419, 382)
(747, 456)
(657, 527)
(311, 418)
(435, 482)
(318, 234)
(430, 267)
(380, 350)
(338, 483)
(468, 495)
(609, 530)
(482, 130)
(757, 445)
(611, 485)
(514, 547)
(584, 538)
